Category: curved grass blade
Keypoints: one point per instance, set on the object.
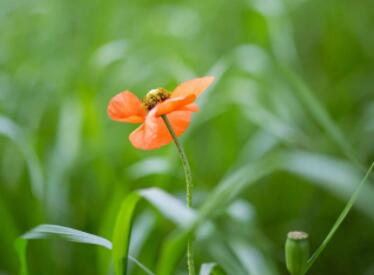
(172, 250)
(21, 247)
(223, 194)
(144, 224)
(320, 114)
(251, 258)
(46, 231)
(9, 230)
(211, 269)
(50, 231)
(339, 221)
(12, 131)
(169, 207)
(286, 53)
(338, 177)
(61, 159)
(217, 248)
(289, 55)
(122, 233)
(228, 189)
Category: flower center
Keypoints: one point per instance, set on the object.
(155, 96)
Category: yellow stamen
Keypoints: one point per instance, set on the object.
(155, 96)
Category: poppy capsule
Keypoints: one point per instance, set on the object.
(297, 252)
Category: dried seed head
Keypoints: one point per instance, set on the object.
(155, 96)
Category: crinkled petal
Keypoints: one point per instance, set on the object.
(153, 133)
(126, 107)
(173, 104)
(194, 86)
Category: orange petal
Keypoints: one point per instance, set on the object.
(173, 104)
(195, 86)
(126, 107)
(190, 107)
(153, 133)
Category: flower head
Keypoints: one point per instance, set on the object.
(177, 105)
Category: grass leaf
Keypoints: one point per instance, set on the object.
(46, 231)
(211, 269)
(122, 232)
(166, 204)
(50, 231)
(227, 190)
(339, 221)
(320, 114)
(12, 131)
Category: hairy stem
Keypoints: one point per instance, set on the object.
(188, 176)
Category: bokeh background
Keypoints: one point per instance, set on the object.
(289, 123)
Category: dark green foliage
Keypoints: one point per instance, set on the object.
(282, 140)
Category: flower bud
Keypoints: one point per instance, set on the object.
(297, 252)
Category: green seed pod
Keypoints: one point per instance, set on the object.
(297, 252)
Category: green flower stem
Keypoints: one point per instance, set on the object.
(188, 176)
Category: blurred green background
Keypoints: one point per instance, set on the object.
(293, 97)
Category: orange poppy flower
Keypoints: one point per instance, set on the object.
(178, 106)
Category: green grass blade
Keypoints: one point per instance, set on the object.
(122, 233)
(321, 115)
(12, 131)
(211, 269)
(169, 207)
(142, 266)
(339, 177)
(50, 231)
(9, 230)
(339, 221)
(216, 248)
(21, 246)
(223, 194)
(46, 231)
(251, 258)
(61, 158)
(172, 250)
